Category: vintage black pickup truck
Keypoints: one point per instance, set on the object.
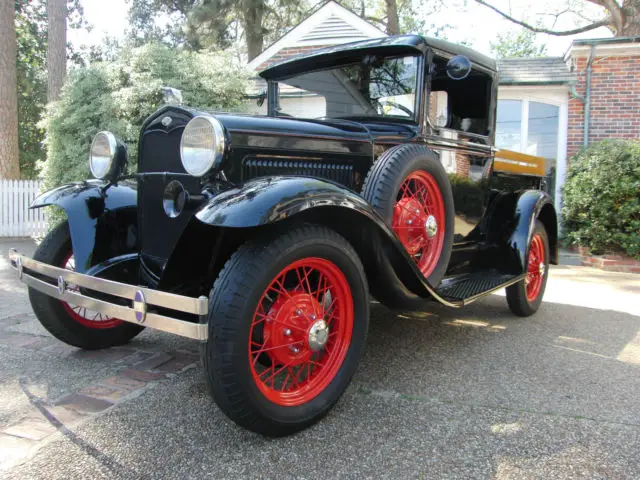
(374, 172)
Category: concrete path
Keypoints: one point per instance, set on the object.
(469, 393)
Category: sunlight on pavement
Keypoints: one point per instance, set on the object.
(506, 428)
(631, 351)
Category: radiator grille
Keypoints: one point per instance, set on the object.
(338, 171)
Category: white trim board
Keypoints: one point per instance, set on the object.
(554, 94)
(604, 49)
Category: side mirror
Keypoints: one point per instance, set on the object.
(458, 67)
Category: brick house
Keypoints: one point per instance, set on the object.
(615, 90)
(543, 103)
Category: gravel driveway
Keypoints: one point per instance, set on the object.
(469, 393)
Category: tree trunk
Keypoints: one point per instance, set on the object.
(254, 33)
(9, 159)
(393, 25)
(57, 47)
(630, 19)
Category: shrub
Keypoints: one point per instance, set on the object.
(601, 198)
(118, 96)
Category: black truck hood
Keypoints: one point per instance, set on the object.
(300, 145)
(294, 127)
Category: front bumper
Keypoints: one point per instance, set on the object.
(75, 288)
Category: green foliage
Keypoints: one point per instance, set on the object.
(601, 198)
(413, 15)
(119, 95)
(517, 45)
(198, 24)
(31, 62)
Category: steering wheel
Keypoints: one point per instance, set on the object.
(395, 105)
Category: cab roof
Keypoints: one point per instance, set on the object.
(393, 45)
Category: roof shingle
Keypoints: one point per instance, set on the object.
(534, 71)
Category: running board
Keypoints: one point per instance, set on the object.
(468, 289)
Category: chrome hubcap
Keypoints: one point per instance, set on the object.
(318, 335)
(431, 226)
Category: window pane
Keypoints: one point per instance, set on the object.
(382, 86)
(542, 139)
(508, 125)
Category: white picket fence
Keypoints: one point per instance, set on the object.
(16, 219)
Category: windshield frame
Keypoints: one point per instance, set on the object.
(273, 95)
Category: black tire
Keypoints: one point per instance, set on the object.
(517, 299)
(233, 302)
(381, 188)
(53, 316)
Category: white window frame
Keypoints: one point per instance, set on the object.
(551, 95)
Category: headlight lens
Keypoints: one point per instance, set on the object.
(102, 154)
(202, 145)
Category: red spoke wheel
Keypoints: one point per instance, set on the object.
(74, 324)
(287, 325)
(303, 324)
(83, 315)
(524, 298)
(419, 219)
(536, 267)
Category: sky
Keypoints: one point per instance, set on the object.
(471, 22)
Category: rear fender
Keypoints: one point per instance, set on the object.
(512, 225)
(102, 223)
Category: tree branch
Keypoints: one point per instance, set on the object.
(615, 11)
(592, 26)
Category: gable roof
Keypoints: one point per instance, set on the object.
(534, 71)
(331, 24)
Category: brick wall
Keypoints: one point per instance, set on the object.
(615, 100)
(462, 165)
(288, 52)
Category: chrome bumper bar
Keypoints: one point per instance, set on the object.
(139, 297)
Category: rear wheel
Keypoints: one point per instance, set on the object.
(524, 298)
(287, 325)
(73, 324)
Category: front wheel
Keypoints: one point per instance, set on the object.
(524, 298)
(287, 325)
(73, 324)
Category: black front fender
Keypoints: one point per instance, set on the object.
(265, 201)
(268, 200)
(102, 224)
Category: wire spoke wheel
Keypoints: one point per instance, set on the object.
(535, 268)
(419, 219)
(84, 316)
(525, 297)
(301, 331)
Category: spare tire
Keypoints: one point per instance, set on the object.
(410, 189)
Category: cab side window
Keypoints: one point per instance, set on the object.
(468, 101)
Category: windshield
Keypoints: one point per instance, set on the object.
(374, 87)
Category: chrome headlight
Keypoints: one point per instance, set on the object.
(202, 145)
(102, 154)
